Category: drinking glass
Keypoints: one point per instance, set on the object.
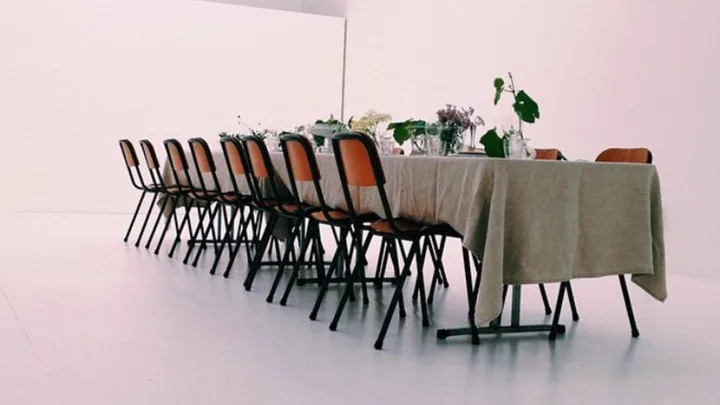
(514, 146)
(433, 145)
(384, 139)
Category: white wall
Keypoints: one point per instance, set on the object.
(605, 73)
(78, 75)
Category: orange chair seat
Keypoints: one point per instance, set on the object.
(172, 189)
(233, 198)
(204, 194)
(288, 208)
(335, 215)
(404, 225)
(268, 203)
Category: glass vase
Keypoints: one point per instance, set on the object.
(451, 138)
(516, 147)
(419, 145)
(471, 145)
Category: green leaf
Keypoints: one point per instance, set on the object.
(493, 144)
(404, 130)
(526, 108)
(499, 83)
(401, 135)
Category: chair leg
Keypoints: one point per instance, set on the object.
(347, 270)
(359, 268)
(380, 263)
(546, 302)
(247, 223)
(312, 238)
(168, 221)
(397, 296)
(392, 246)
(339, 255)
(440, 253)
(178, 236)
(289, 247)
(363, 260)
(242, 235)
(263, 245)
(147, 218)
(571, 298)
(226, 239)
(558, 309)
(421, 259)
(211, 223)
(132, 221)
(471, 290)
(439, 268)
(628, 306)
(208, 232)
(199, 232)
(383, 269)
(160, 215)
(419, 265)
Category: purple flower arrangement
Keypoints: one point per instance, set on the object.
(452, 116)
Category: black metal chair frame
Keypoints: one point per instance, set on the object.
(127, 148)
(273, 206)
(173, 194)
(394, 238)
(235, 201)
(248, 221)
(342, 254)
(196, 197)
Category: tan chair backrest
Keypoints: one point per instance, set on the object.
(234, 157)
(547, 154)
(150, 157)
(256, 159)
(130, 157)
(176, 159)
(631, 155)
(201, 156)
(299, 161)
(357, 164)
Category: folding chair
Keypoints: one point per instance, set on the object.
(175, 194)
(272, 204)
(196, 197)
(137, 181)
(302, 168)
(359, 166)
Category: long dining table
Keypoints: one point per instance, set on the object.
(527, 221)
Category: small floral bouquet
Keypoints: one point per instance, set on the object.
(452, 116)
(454, 122)
(368, 123)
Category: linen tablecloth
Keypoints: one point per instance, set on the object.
(528, 221)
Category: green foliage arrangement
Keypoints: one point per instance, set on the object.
(524, 106)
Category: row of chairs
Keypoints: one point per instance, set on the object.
(231, 219)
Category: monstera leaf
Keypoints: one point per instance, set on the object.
(404, 130)
(526, 108)
(493, 144)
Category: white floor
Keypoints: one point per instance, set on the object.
(87, 319)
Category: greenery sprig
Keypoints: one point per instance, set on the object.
(524, 106)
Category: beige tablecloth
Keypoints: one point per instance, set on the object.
(528, 221)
